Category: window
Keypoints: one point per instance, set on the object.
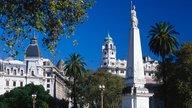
(48, 80)
(149, 74)
(14, 83)
(111, 46)
(122, 71)
(7, 83)
(14, 72)
(44, 63)
(32, 73)
(21, 84)
(105, 63)
(48, 85)
(48, 75)
(106, 46)
(21, 72)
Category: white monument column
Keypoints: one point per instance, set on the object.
(135, 95)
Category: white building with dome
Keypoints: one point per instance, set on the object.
(109, 61)
(34, 69)
(115, 66)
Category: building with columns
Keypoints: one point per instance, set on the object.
(34, 69)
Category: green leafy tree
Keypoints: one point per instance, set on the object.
(90, 89)
(184, 74)
(162, 43)
(54, 18)
(179, 77)
(21, 98)
(75, 66)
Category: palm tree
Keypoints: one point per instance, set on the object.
(162, 39)
(74, 68)
(162, 43)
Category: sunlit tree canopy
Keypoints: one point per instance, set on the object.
(53, 18)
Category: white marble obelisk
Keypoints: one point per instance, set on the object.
(135, 95)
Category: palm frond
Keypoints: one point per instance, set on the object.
(162, 39)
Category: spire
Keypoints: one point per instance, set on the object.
(34, 34)
(34, 38)
(135, 72)
(135, 95)
(108, 38)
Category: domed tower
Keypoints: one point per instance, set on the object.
(108, 61)
(33, 59)
(33, 51)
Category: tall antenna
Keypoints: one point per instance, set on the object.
(35, 33)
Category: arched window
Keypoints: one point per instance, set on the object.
(21, 72)
(106, 46)
(32, 73)
(105, 63)
(111, 46)
(14, 72)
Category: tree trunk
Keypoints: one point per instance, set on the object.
(164, 82)
(74, 96)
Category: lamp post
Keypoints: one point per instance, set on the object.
(101, 88)
(34, 97)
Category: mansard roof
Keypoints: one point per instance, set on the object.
(33, 50)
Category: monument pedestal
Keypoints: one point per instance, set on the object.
(134, 97)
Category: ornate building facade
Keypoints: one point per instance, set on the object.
(34, 69)
(109, 61)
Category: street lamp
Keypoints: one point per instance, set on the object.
(101, 88)
(34, 97)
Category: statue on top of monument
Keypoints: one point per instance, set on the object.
(134, 21)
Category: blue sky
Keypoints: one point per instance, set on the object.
(113, 16)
